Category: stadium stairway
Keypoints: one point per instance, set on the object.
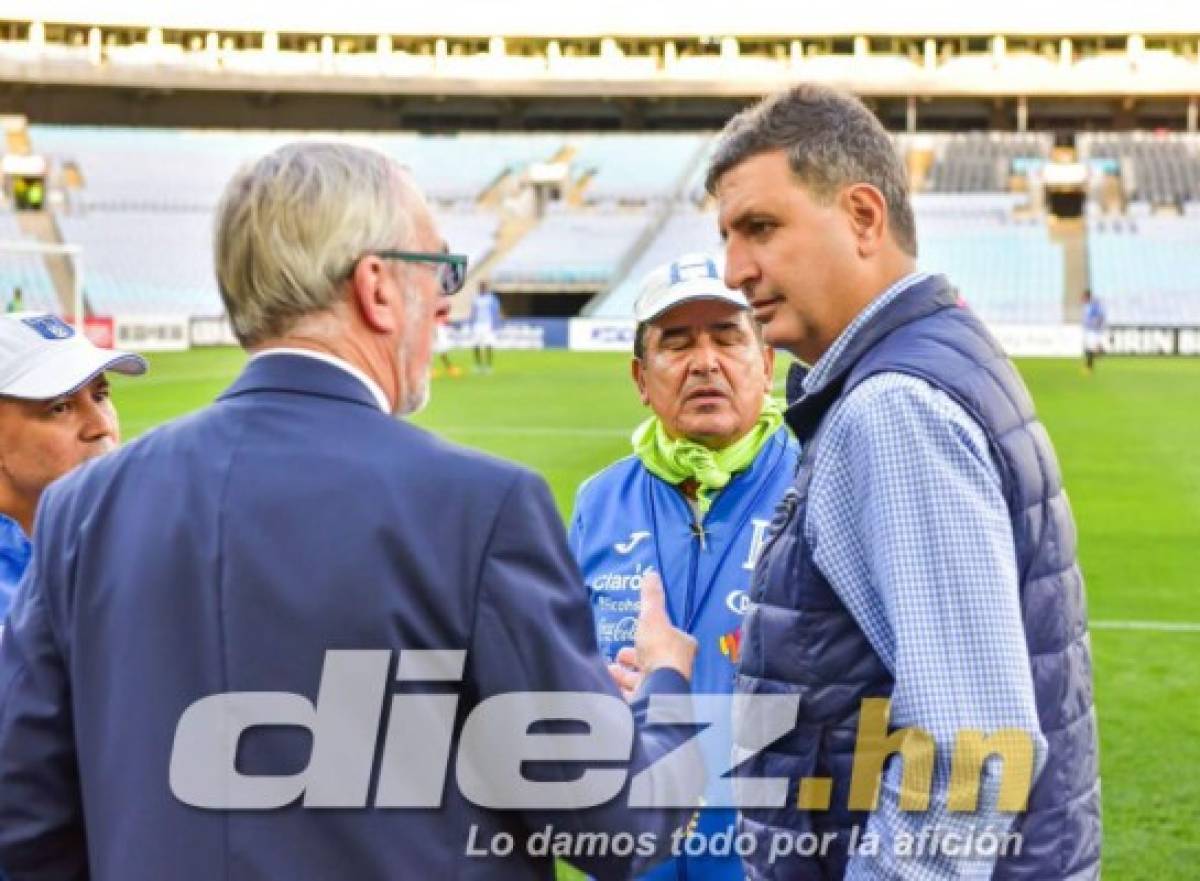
(1071, 234)
(39, 226)
(574, 195)
(511, 231)
(493, 197)
(654, 228)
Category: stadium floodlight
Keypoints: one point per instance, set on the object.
(74, 252)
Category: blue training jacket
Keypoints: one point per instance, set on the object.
(15, 551)
(628, 522)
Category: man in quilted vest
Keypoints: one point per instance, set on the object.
(918, 598)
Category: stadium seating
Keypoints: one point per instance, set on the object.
(144, 213)
(573, 248)
(23, 270)
(635, 168)
(686, 231)
(146, 263)
(981, 162)
(469, 232)
(460, 167)
(1155, 168)
(179, 168)
(1146, 270)
(1008, 270)
(151, 169)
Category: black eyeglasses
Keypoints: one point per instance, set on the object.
(451, 268)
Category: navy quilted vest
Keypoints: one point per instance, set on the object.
(799, 639)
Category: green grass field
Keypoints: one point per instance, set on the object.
(1129, 442)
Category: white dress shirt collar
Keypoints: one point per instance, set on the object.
(372, 385)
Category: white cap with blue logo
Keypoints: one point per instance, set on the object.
(42, 357)
(691, 277)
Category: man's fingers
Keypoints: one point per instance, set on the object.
(627, 657)
(654, 599)
(625, 680)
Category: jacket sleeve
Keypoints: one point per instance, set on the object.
(41, 810)
(575, 530)
(534, 633)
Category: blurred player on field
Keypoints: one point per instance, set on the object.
(442, 345)
(1095, 322)
(485, 321)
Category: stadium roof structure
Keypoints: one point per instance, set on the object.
(632, 18)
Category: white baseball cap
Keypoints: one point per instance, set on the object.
(42, 357)
(690, 277)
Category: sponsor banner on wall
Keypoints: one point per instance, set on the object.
(516, 333)
(100, 331)
(211, 332)
(1066, 340)
(147, 333)
(600, 335)
(1152, 341)
(1039, 340)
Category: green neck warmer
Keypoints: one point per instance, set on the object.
(678, 459)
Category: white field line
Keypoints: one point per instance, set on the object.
(1152, 626)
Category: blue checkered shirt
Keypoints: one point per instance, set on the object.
(908, 523)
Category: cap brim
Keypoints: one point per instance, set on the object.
(667, 306)
(69, 371)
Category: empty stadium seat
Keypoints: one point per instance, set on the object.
(1146, 270)
(573, 248)
(686, 231)
(1008, 270)
(634, 168)
(981, 162)
(146, 263)
(1156, 168)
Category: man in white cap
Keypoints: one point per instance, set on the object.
(694, 500)
(55, 412)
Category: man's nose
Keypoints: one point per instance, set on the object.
(740, 269)
(99, 422)
(704, 357)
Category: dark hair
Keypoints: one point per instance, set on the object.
(832, 141)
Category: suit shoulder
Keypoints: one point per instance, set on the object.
(446, 456)
(88, 482)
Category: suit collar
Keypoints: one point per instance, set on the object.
(299, 374)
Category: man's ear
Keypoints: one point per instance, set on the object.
(373, 298)
(638, 372)
(867, 211)
(769, 365)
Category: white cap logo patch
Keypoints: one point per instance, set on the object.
(50, 327)
(686, 269)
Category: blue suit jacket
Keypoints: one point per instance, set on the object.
(226, 552)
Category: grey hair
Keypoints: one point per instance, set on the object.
(832, 141)
(291, 225)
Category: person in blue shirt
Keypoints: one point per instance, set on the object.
(485, 321)
(692, 503)
(921, 572)
(1095, 322)
(55, 412)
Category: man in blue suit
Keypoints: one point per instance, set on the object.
(218, 618)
